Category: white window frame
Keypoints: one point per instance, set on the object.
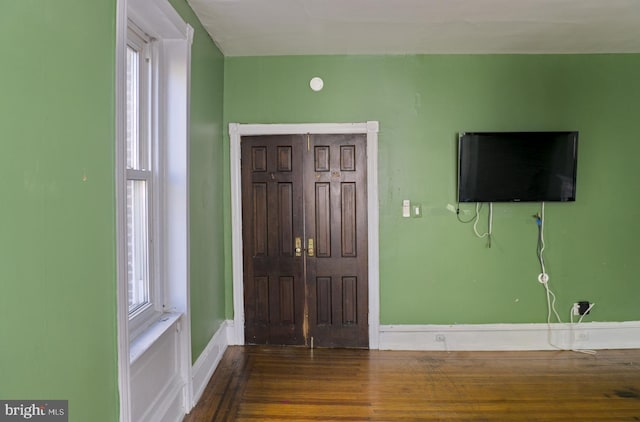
(149, 98)
(172, 39)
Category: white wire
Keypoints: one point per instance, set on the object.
(475, 224)
(551, 305)
(542, 238)
(573, 349)
(571, 315)
(585, 312)
(551, 297)
(490, 218)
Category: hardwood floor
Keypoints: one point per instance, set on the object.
(269, 383)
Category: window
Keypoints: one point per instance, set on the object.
(141, 150)
(153, 56)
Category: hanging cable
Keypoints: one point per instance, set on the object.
(466, 221)
(490, 223)
(543, 278)
(571, 334)
(540, 251)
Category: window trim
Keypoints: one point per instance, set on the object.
(149, 138)
(175, 36)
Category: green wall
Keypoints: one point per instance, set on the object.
(433, 270)
(57, 218)
(57, 228)
(206, 189)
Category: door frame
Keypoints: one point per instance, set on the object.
(236, 132)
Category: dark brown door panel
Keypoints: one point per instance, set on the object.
(310, 187)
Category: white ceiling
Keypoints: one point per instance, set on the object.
(311, 27)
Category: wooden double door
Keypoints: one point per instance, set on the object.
(304, 211)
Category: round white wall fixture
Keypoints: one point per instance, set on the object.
(316, 83)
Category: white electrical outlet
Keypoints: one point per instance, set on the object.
(581, 336)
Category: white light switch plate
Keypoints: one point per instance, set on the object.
(406, 208)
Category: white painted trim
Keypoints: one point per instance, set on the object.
(208, 361)
(373, 234)
(159, 18)
(176, 37)
(175, 185)
(185, 343)
(236, 234)
(506, 337)
(149, 336)
(157, 384)
(236, 131)
(122, 308)
(301, 128)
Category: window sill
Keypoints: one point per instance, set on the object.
(148, 337)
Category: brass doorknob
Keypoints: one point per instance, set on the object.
(298, 246)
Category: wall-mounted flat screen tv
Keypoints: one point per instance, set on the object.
(517, 166)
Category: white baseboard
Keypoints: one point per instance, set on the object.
(208, 361)
(235, 333)
(503, 337)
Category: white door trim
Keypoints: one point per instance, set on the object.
(236, 131)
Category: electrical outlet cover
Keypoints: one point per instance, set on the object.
(583, 307)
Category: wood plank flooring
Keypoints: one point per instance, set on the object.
(272, 383)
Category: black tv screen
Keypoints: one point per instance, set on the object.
(517, 166)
